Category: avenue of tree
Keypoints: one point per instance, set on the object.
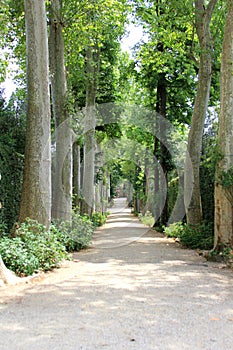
(87, 119)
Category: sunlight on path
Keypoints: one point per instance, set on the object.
(149, 294)
(121, 228)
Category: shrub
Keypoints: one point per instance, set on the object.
(34, 248)
(174, 230)
(147, 219)
(198, 236)
(75, 235)
(98, 219)
(17, 257)
(192, 236)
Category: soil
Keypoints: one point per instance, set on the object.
(132, 289)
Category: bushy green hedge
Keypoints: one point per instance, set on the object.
(192, 236)
(75, 235)
(35, 248)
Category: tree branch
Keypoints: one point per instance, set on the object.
(210, 9)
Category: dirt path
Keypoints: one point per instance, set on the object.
(134, 289)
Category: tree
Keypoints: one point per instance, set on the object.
(62, 174)
(203, 17)
(167, 78)
(36, 192)
(92, 67)
(224, 169)
(95, 28)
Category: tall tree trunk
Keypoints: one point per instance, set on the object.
(156, 207)
(36, 191)
(92, 64)
(76, 174)
(62, 175)
(146, 204)
(224, 170)
(203, 17)
(161, 109)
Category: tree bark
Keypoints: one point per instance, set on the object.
(36, 191)
(76, 174)
(163, 156)
(223, 193)
(7, 276)
(62, 174)
(203, 17)
(92, 64)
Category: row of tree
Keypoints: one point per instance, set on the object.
(109, 110)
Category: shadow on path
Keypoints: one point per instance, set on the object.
(133, 289)
(122, 228)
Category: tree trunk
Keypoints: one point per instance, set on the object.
(161, 109)
(156, 208)
(36, 191)
(203, 18)
(76, 174)
(92, 56)
(7, 276)
(62, 174)
(224, 190)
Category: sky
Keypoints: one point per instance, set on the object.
(134, 36)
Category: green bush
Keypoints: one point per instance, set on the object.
(17, 257)
(174, 230)
(75, 235)
(34, 248)
(12, 146)
(98, 219)
(198, 236)
(147, 219)
(192, 236)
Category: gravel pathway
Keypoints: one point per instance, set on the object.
(133, 289)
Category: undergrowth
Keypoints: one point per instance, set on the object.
(192, 236)
(35, 248)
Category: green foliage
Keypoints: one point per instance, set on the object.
(17, 257)
(198, 236)
(98, 219)
(224, 250)
(75, 235)
(173, 185)
(192, 236)
(147, 219)
(33, 249)
(36, 248)
(209, 158)
(12, 144)
(227, 178)
(174, 230)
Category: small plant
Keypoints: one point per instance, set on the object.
(192, 236)
(147, 219)
(99, 219)
(75, 235)
(33, 249)
(17, 257)
(3, 229)
(198, 236)
(224, 252)
(174, 230)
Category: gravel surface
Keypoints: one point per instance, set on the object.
(133, 289)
